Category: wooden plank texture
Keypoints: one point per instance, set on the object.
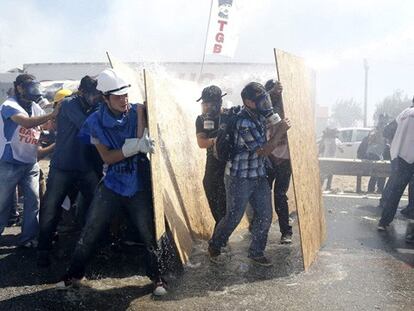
(178, 164)
(298, 108)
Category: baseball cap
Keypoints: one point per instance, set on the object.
(211, 94)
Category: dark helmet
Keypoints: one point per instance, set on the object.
(253, 91)
(212, 94)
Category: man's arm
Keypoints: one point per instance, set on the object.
(203, 141)
(30, 122)
(280, 129)
(109, 156)
(44, 151)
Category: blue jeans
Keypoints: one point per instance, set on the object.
(401, 174)
(240, 191)
(27, 176)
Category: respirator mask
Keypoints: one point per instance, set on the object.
(264, 107)
(32, 91)
(210, 112)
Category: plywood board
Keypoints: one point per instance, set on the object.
(178, 164)
(298, 107)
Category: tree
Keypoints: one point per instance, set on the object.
(392, 105)
(347, 112)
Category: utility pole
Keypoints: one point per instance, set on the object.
(366, 67)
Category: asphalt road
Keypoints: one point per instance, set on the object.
(358, 269)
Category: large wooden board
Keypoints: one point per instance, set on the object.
(298, 106)
(178, 164)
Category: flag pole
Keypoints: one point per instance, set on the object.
(205, 42)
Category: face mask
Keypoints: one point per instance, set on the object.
(32, 91)
(209, 115)
(265, 108)
(92, 99)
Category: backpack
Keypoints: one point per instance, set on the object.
(224, 146)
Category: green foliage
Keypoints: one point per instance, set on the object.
(347, 112)
(393, 105)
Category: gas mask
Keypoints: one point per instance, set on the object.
(31, 91)
(264, 107)
(209, 114)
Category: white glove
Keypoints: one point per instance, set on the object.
(130, 147)
(146, 144)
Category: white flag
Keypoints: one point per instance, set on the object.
(223, 34)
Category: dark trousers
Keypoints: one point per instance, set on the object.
(401, 174)
(214, 188)
(411, 193)
(59, 184)
(104, 205)
(280, 175)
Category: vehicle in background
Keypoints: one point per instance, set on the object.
(351, 138)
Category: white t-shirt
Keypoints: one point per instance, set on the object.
(403, 142)
(23, 142)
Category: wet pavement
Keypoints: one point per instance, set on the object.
(358, 269)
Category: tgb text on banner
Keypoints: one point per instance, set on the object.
(223, 30)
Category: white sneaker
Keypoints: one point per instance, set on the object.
(160, 287)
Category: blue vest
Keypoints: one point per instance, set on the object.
(131, 174)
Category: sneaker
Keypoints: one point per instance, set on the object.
(43, 260)
(29, 244)
(381, 227)
(214, 255)
(286, 238)
(261, 261)
(160, 287)
(68, 282)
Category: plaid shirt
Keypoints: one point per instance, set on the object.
(250, 135)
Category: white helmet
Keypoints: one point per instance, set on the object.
(109, 82)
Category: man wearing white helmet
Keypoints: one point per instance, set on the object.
(113, 130)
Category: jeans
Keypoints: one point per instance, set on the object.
(280, 174)
(27, 176)
(240, 191)
(213, 183)
(104, 205)
(59, 184)
(401, 174)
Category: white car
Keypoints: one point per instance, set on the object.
(350, 138)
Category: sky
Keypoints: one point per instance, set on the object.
(334, 36)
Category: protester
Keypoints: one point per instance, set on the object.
(245, 175)
(389, 132)
(279, 171)
(20, 132)
(402, 166)
(373, 147)
(207, 125)
(328, 147)
(72, 163)
(113, 130)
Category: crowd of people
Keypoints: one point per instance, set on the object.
(98, 143)
(387, 141)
